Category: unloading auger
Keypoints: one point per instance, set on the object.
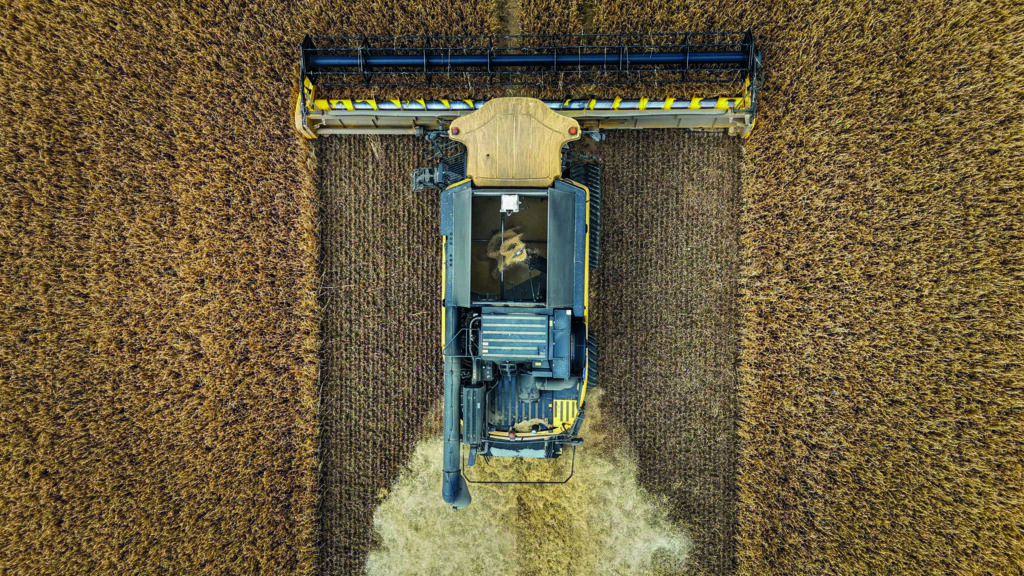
(520, 213)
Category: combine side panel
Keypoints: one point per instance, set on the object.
(573, 223)
(562, 240)
(456, 210)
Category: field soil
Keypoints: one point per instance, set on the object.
(665, 311)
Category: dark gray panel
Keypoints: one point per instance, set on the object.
(463, 200)
(561, 245)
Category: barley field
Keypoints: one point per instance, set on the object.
(184, 339)
(158, 341)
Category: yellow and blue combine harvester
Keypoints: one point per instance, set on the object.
(520, 212)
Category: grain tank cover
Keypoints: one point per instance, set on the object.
(514, 142)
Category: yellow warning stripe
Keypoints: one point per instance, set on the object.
(721, 103)
(726, 103)
(564, 414)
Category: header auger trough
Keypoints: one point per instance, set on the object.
(520, 213)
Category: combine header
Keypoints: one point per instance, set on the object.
(520, 213)
(439, 65)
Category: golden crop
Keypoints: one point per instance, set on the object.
(184, 361)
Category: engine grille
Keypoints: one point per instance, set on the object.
(514, 337)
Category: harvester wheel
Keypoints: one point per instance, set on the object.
(591, 362)
(589, 174)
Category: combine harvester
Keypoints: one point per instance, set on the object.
(520, 213)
